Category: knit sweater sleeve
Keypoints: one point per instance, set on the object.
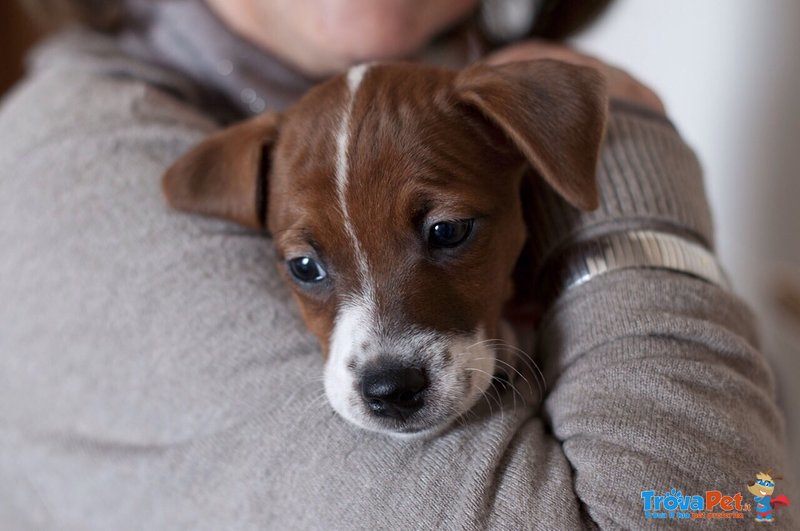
(656, 381)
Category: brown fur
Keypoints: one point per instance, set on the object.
(425, 144)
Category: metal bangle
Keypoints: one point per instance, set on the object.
(631, 249)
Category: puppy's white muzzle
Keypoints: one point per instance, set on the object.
(413, 382)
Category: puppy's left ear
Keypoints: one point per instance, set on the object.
(225, 176)
(553, 112)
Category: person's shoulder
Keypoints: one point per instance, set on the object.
(82, 85)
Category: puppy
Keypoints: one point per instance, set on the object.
(393, 195)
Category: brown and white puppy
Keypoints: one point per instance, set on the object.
(393, 194)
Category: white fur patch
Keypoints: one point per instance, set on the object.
(353, 326)
(354, 77)
(475, 355)
(448, 397)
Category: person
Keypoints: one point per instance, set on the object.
(155, 375)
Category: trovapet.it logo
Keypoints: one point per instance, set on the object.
(712, 504)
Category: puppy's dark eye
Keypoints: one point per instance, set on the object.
(306, 270)
(446, 234)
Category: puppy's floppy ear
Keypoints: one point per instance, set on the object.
(553, 112)
(225, 175)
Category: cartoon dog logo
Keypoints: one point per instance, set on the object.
(762, 489)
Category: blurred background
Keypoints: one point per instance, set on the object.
(729, 73)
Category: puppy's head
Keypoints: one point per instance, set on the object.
(393, 197)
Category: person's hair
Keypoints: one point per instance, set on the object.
(101, 15)
(557, 18)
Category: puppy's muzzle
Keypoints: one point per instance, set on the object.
(394, 391)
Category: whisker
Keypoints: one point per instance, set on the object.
(491, 409)
(526, 358)
(529, 358)
(519, 373)
(495, 395)
(527, 365)
(529, 362)
(508, 383)
(483, 342)
(458, 417)
(491, 377)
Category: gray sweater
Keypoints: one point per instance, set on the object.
(154, 373)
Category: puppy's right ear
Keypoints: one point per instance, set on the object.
(553, 112)
(225, 176)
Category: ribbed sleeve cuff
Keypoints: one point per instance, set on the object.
(648, 178)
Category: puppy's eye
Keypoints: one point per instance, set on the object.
(306, 270)
(446, 234)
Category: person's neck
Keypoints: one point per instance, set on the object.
(186, 36)
(271, 37)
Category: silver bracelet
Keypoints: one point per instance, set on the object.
(632, 249)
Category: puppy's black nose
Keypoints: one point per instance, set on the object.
(394, 391)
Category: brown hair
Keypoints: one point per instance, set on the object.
(558, 19)
(102, 15)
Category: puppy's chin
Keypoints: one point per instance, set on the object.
(401, 432)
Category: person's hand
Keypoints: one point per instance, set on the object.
(621, 85)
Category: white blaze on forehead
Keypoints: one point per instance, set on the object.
(354, 78)
(356, 317)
